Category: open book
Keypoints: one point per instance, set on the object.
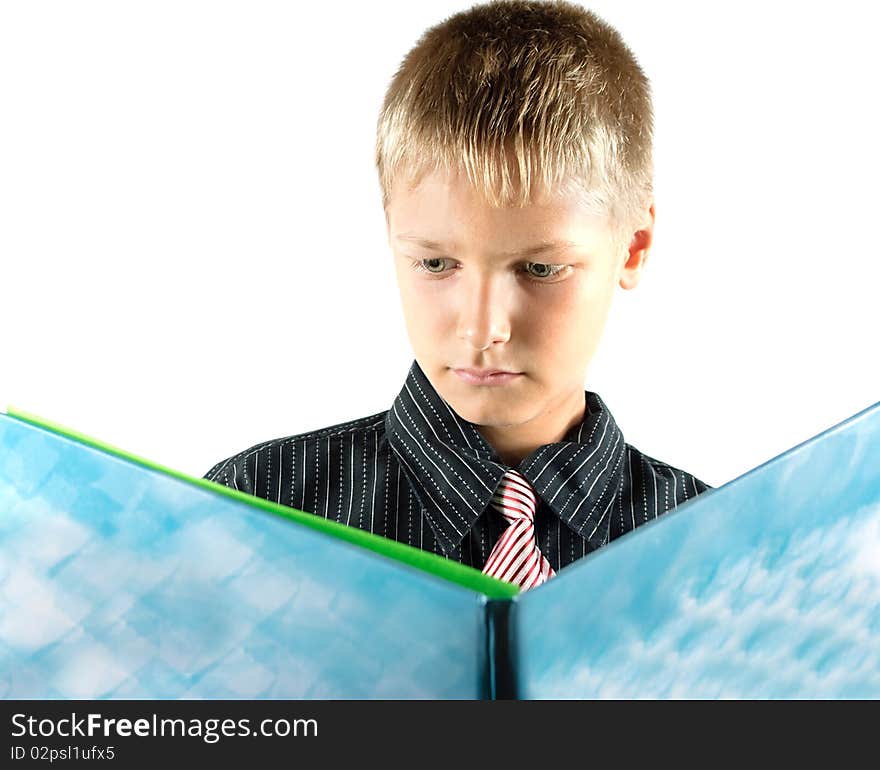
(120, 578)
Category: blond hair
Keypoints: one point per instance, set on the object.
(547, 90)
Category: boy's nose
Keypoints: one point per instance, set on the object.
(484, 318)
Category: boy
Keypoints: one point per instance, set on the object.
(514, 158)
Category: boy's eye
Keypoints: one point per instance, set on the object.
(435, 265)
(426, 264)
(544, 271)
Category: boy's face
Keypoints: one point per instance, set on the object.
(477, 305)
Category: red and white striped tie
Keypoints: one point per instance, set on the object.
(515, 557)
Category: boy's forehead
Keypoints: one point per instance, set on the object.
(455, 184)
(442, 208)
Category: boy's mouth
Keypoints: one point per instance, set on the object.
(486, 376)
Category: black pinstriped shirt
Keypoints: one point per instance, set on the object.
(420, 474)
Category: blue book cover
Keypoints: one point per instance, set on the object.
(120, 578)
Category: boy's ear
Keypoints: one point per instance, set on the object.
(637, 252)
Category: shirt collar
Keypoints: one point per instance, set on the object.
(454, 471)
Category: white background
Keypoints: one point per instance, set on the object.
(193, 248)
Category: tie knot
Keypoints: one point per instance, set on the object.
(516, 557)
(515, 499)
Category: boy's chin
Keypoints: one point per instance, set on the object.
(487, 410)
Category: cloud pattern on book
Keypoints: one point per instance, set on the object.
(771, 589)
(117, 581)
(120, 581)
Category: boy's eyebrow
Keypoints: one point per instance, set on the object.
(529, 251)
